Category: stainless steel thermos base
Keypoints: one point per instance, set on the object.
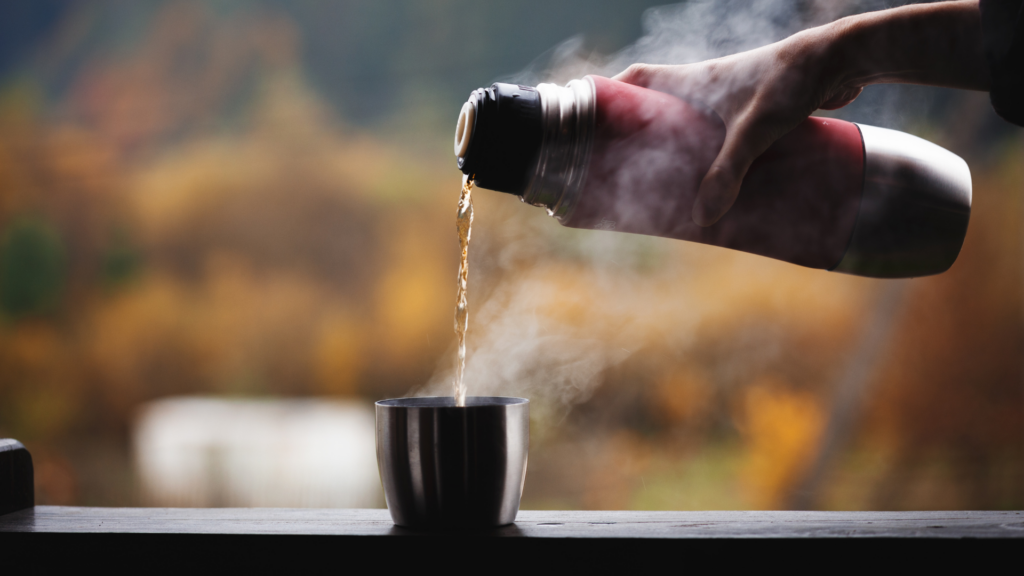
(448, 466)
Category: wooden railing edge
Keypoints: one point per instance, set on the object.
(17, 479)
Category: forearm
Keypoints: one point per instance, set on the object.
(935, 44)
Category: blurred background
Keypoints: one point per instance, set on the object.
(226, 228)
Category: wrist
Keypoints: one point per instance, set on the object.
(845, 54)
(822, 54)
(936, 44)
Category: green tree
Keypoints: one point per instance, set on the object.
(32, 266)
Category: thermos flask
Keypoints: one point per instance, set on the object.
(830, 194)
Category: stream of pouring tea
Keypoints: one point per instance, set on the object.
(464, 223)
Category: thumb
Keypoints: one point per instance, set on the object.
(721, 185)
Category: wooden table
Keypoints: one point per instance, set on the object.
(260, 537)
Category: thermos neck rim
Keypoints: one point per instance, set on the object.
(569, 114)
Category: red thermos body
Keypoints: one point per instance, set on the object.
(602, 154)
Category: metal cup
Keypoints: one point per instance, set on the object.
(448, 466)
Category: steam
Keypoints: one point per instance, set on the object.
(703, 29)
(695, 31)
(522, 351)
(555, 322)
(518, 344)
(690, 32)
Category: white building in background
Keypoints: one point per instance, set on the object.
(212, 452)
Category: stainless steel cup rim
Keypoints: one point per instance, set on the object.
(449, 402)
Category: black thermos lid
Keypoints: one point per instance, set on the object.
(505, 137)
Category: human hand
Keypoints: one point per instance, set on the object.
(764, 93)
(760, 95)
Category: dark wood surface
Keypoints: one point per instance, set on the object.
(529, 524)
(65, 538)
(187, 540)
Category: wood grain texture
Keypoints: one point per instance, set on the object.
(529, 523)
(289, 541)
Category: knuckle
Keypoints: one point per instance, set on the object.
(723, 177)
(639, 73)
